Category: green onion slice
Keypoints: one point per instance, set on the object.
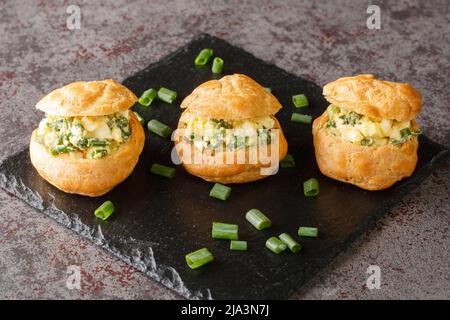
(163, 171)
(139, 117)
(97, 143)
(203, 57)
(199, 258)
(293, 245)
(300, 101)
(60, 149)
(288, 161)
(301, 118)
(405, 132)
(268, 89)
(275, 245)
(311, 187)
(308, 232)
(367, 141)
(219, 191)
(147, 97)
(167, 95)
(105, 210)
(159, 128)
(217, 65)
(237, 245)
(258, 219)
(224, 231)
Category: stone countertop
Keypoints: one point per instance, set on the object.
(320, 41)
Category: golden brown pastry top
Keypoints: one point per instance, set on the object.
(375, 98)
(232, 97)
(91, 98)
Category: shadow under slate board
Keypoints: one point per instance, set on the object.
(158, 221)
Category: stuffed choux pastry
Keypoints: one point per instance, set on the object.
(89, 140)
(368, 135)
(226, 120)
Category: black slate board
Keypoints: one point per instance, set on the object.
(160, 220)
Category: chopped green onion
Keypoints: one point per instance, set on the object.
(308, 232)
(83, 143)
(97, 143)
(166, 95)
(163, 171)
(311, 187)
(147, 97)
(293, 245)
(199, 258)
(159, 128)
(224, 231)
(331, 124)
(98, 153)
(60, 149)
(219, 191)
(105, 210)
(275, 245)
(238, 245)
(300, 101)
(217, 65)
(258, 219)
(396, 142)
(301, 118)
(367, 141)
(288, 161)
(405, 132)
(139, 117)
(203, 57)
(268, 89)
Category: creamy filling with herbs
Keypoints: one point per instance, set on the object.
(360, 129)
(84, 137)
(224, 134)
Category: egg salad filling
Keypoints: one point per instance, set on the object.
(84, 137)
(363, 130)
(222, 134)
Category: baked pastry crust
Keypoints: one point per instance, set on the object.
(92, 98)
(215, 169)
(370, 168)
(89, 177)
(375, 98)
(233, 97)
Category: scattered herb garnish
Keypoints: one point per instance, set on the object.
(351, 118)
(367, 141)
(331, 124)
(203, 57)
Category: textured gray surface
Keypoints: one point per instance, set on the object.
(319, 41)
